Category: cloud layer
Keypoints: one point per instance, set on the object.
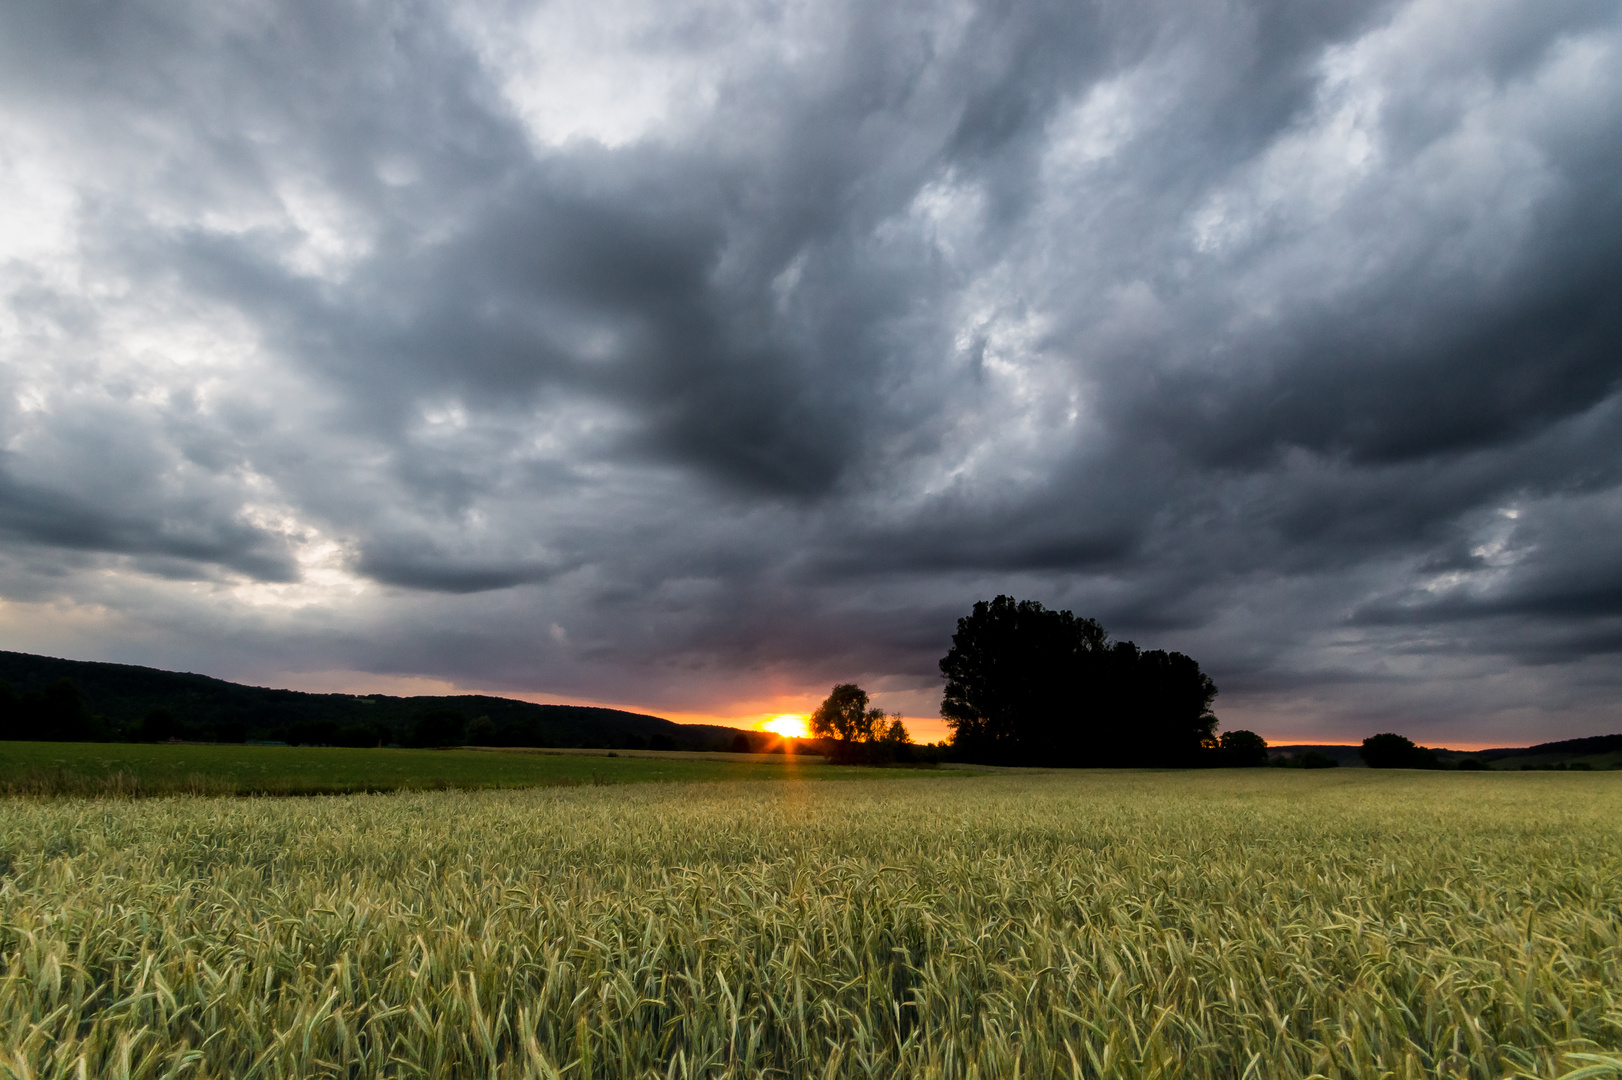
(697, 355)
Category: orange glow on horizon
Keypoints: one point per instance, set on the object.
(763, 713)
(748, 715)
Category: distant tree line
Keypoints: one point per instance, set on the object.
(1311, 759)
(1028, 685)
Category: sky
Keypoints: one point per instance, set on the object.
(692, 356)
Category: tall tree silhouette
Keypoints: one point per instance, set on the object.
(1011, 662)
(1026, 684)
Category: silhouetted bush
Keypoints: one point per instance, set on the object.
(1471, 764)
(1317, 759)
(871, 752)
(1242, 749)
(1391, 751)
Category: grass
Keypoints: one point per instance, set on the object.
(1243, 924)
(124, 769)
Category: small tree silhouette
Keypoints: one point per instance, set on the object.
(844, 715)
(1391, 751)
(1243, 749)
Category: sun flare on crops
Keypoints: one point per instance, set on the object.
(790, 725)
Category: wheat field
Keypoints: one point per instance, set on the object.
(1245, 924)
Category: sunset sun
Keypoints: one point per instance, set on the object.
(791, 725)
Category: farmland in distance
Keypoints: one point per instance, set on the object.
(1245, 923)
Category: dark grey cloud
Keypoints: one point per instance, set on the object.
(188, 532)
(693, 354)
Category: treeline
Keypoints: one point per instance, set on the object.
(1389, 750)
(1027, 685)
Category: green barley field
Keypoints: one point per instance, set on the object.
(1236, 924)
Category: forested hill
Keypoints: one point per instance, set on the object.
(1549, 753)
(124, 697)
(1594, 744)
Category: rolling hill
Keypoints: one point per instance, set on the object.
(214, 709)
(1597, 751)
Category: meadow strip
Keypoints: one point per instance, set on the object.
(135, 770)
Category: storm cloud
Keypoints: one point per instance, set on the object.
(697, 355)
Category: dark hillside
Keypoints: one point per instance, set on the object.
(209, 708)
(1345, 755)
(1541, 755)
(1596, 744)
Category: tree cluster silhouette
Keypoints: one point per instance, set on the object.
(1028, 685)
(1389, 750)
(853, 733)
(1242, 749)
